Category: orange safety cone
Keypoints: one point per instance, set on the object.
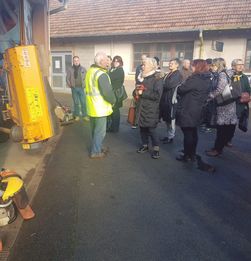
(27, 212)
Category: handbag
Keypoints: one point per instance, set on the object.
(131, 114)
(243, 121)
(121, 94)
(245, 97)
(231, 93)
(209, 114)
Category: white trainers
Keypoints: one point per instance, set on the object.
(86, 118)
(76, 118)
(100, 155)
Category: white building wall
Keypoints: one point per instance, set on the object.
(85, 53)
(233, 49)
(124, 50)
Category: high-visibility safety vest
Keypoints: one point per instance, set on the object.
(96, 106)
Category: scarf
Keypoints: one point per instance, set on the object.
(144, 75)
(76, 71)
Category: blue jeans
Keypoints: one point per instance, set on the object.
(79, 100)
(98, 132)
(170, 129)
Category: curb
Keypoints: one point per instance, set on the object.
(9, 233)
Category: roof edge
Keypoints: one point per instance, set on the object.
(181, 30)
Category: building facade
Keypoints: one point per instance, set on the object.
(192, 39)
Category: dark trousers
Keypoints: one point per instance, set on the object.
(223, 136)
(190, 140)
(232, 135)
(145, 133)
(114, 120)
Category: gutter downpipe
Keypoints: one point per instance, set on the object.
(61, 8)
(201, 44)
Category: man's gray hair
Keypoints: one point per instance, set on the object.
(235, 62)
(186, 60)
(99, 57)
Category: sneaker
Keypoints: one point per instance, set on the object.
(76, 118)
(155, 154)
(143, 149)
(134, 127)
(167, 141)
(229, 145)
(100, 155)
(208, 130)
(86, 118)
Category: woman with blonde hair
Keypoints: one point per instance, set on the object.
(226, 118)
(149, 97)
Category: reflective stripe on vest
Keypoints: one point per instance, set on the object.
(95, 104)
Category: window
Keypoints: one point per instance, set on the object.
(140, 49)
(164, 51)
(217, 46)
(248, 56)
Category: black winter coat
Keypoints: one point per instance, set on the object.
(245, 87)
(149, 101)
(117, 77)
(171, 81)
(193, 95)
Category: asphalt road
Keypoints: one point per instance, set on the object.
(129, 207)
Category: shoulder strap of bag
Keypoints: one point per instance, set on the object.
(228, 77)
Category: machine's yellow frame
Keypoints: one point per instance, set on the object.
(28, 105)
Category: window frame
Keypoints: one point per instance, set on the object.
(157, 48)
(248, 56)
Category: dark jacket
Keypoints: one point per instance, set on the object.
(117, 77)
(193, 95)
(245, 87)
(171, 81)
(70, 80)
(149, 101)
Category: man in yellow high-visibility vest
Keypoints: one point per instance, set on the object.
(99, 101)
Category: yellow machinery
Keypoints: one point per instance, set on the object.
(12, 190)
(28, 105)
(26, 97)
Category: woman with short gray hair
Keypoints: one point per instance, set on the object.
(149, 93)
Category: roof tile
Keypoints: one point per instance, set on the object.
(115, 17)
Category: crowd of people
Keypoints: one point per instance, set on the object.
(187, 96)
